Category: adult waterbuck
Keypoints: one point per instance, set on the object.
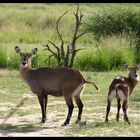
(64, 81)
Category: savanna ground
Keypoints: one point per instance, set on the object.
(31, 25)
(20, 113)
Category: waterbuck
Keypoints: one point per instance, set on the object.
(121, 88)
(63, 81)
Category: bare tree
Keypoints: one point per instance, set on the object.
(65, 57)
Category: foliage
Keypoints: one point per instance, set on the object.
(114, 22)
(110, 54)
(31, 25)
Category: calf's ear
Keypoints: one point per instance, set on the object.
(138, 66)
(127, 67)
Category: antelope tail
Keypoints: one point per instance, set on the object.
(88, 82)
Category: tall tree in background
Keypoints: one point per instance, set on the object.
(65, 56)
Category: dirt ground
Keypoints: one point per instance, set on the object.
(28, 125)
(38, 129)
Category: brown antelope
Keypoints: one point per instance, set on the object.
(121, 88)
(64, 81)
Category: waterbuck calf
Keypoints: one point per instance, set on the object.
(62, 81)
(121, 88)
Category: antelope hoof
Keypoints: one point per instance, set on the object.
(77, 121)
(117, 119)
(65, 123)
(128, 122)
(106, 121)
(43, 120)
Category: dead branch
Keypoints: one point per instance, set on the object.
(78, 17)
(62, 41)
(79, 49)
(56, 55)
(66, 61)
(66, 56)
(49, 59)
(57, 27)
(50, 50)
(80, 35)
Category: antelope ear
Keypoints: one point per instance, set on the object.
(138, 67)
(33, 52)
(18, 50)
(126, 66)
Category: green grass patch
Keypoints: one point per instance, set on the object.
(32, 25)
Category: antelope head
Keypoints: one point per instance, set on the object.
(25, 57)
(133, 71)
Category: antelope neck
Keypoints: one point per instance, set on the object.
(25, 70)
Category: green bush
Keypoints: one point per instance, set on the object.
(114, 22)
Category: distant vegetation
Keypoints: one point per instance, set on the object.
(116, 22)
(32, 25)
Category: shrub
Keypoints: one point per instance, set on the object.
(114, 22)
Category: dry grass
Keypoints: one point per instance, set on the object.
(20, 113)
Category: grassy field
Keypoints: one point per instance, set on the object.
(20, 113)
(32, 25)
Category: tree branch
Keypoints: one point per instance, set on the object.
(48, 48)
(80, 35)
(75, 36)
(48, 59)
(66, 56)
(62, 41)
(79, 49)
(56, 55)
(66, 62)
(57, 28)
(54, 45)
